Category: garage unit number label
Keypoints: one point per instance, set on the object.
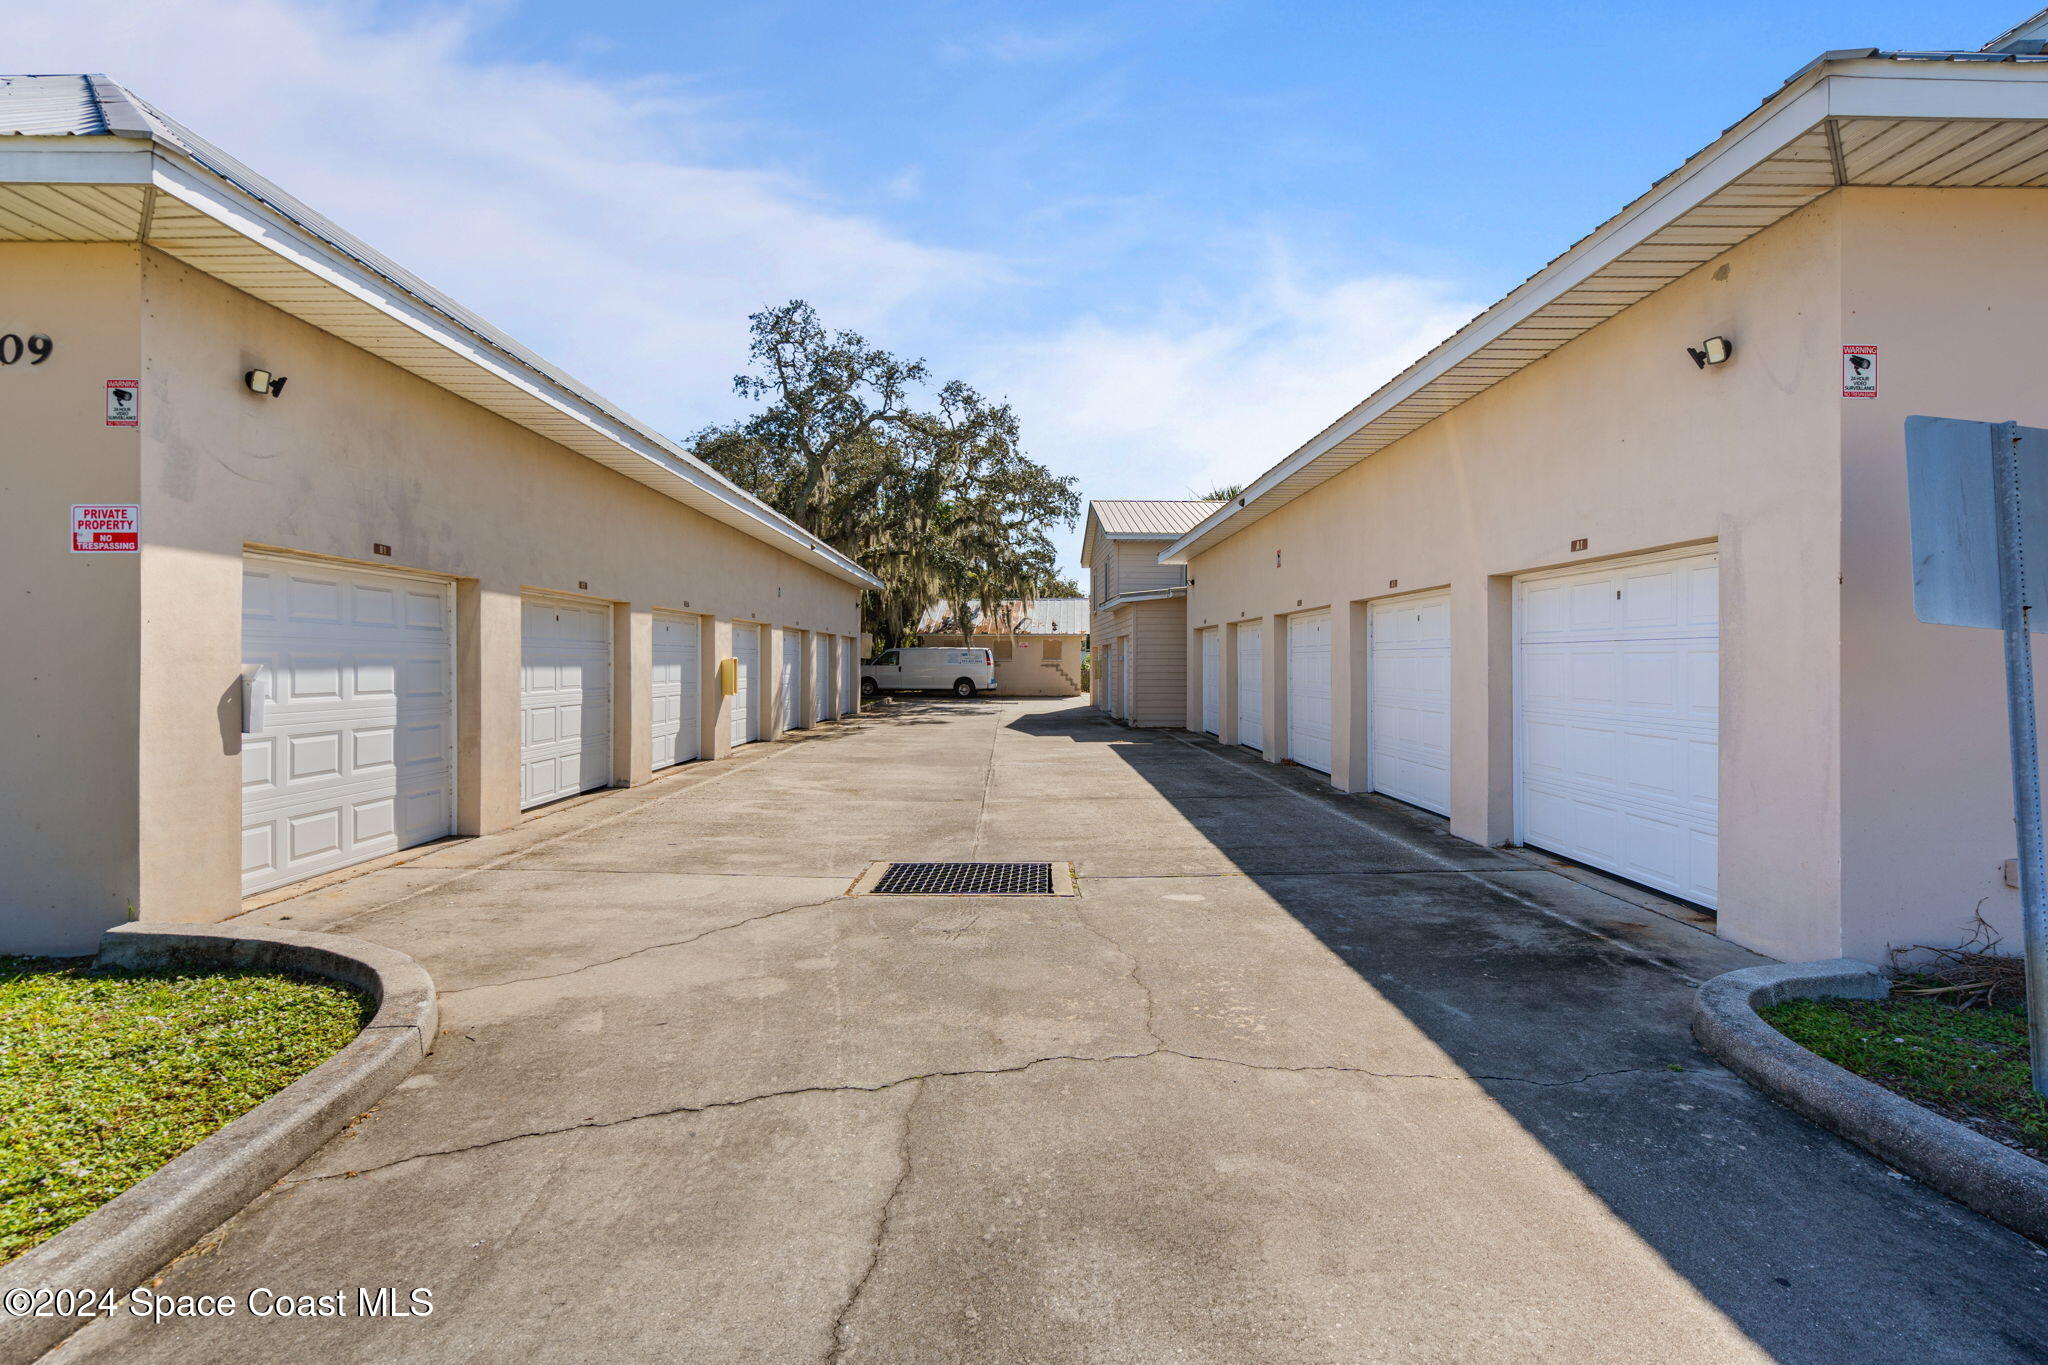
(106, 529)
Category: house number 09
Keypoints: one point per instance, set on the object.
(12, 348)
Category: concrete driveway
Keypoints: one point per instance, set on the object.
(1296, 1077)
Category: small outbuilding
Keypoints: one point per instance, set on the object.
(306, 564)
(1139, 634)
(1039, 645)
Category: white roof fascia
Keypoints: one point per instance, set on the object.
(75, 160)
(1149, 595)
(116, 159)
(1854, 88)
(206, 191)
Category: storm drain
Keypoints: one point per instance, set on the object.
(966, 879)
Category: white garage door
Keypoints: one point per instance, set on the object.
(1308, 689)
(1212, 681)
(676, 678)
(746, 648)
(1408, 690)
(353, 757)
(849, 680)
(821, 675)
(1617, 719)
(791, 690)
(1251, 687)
(565, 699)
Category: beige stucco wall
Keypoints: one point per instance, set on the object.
(1952, 287)
(355, 452)
(68, 670)
(1028, 672)
(1616, 438)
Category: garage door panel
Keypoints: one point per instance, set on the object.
(565, 699)
(313, 601)
(1308, 690)
(674, 723)
(746, 648)
(374, 819)
(1251, 683)
(373, 749)
(1618, 754)
(1408, 687)
(1212, 681)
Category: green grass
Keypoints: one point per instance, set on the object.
(106, 1075)
(1968, 1064)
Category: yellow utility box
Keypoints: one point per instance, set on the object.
(729, 677)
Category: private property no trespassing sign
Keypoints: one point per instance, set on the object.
(105, 529)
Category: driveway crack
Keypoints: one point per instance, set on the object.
(883, 1219)
(715, 1105)
(648, 948)
(1136, 977)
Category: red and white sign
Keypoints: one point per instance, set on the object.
(124, 402)
(106, 529)
(1859, 372)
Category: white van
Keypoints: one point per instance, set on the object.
(963, 672)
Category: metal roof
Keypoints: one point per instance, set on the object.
(1935, 119)
(193, 201)
(49, 106)
(1046, 616)
(1149, 517)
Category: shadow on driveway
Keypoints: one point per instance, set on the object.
(1571, 1007)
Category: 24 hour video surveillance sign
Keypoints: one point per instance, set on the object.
(1859, 372)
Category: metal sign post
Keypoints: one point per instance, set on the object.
(1969, 483)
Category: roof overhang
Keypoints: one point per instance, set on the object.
(132, 185)
(1850, 118)
(1149, 595)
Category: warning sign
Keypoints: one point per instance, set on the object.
(106, 530)
(124, 402)
(1859, 372)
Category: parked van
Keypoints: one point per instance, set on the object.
(963, 672)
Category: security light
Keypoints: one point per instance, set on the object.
(1712, 351)
(263, 382)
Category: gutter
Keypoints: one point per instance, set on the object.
(1149, 595)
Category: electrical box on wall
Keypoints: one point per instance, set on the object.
(729, 677)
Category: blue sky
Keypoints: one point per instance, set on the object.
(1182, 237)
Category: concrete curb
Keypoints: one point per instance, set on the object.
(1968, 1167)
(138, 1232)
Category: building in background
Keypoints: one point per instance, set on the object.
(306, 564)
(1138, 630)
(1040, 646)
(1622, 569)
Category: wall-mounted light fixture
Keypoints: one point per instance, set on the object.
(1712, 351)
(264, 382)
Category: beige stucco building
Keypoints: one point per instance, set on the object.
(1138, 645)
(429, 584)
(1569, 585)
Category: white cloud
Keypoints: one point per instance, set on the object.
(620, 229)
(1212, 391)
(589, 218)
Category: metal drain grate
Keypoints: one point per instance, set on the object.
(966, 879)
